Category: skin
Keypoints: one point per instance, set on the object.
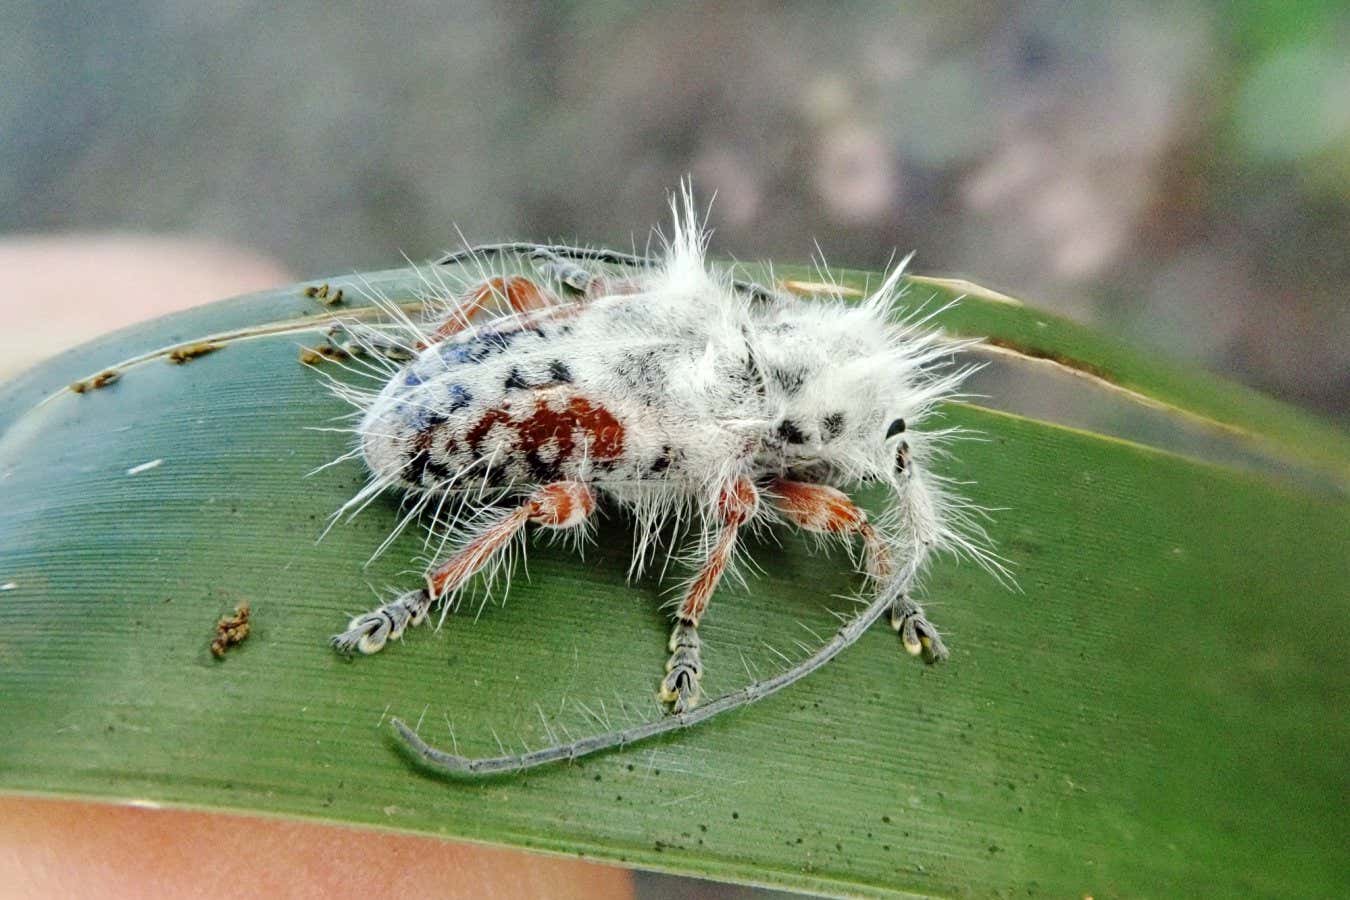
(51, 848)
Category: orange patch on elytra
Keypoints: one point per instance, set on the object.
(601, 432)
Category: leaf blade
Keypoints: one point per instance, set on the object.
(874, 775)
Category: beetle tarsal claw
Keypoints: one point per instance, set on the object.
(684, 669)
(368, 632)
(680, 689)
(919, 636)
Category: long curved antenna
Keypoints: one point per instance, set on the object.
(525, 248)
(590, 254)
(497, 765)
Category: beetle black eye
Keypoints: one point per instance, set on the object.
(897, 427)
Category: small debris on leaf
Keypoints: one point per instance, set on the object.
(101, 380)
(324, 295)
(231, 630)
(145, 467)
(180, 355)
(310, 356)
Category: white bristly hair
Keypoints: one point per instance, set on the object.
(670, 389)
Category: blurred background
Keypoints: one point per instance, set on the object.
(1177, 173)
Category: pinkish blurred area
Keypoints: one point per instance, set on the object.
(78, 286)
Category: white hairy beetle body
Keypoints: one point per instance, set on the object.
(633, 388)
(675, 392)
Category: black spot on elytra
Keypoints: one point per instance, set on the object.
(790, 433)
(477, 348)
(643, 374)
(416, 468)
(543, 469)
(495, 476)
(664, 460)
(438, 472)
(832, 425)
(420, 463)
(459, 397)
(748, 378)
(790, 381)
(559, 372)
(751, 375)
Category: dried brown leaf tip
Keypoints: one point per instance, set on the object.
(231, 630)
(324, 294)
(101, 380)
(180, 355)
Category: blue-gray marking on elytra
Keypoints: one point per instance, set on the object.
(459, 397)
(477, 348)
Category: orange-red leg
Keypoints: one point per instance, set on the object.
(562, 504)
(735, 505)
(825, 510)
(526, 298)
(529, 301)
(518, 292)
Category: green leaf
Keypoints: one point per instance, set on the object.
(1158, 710)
